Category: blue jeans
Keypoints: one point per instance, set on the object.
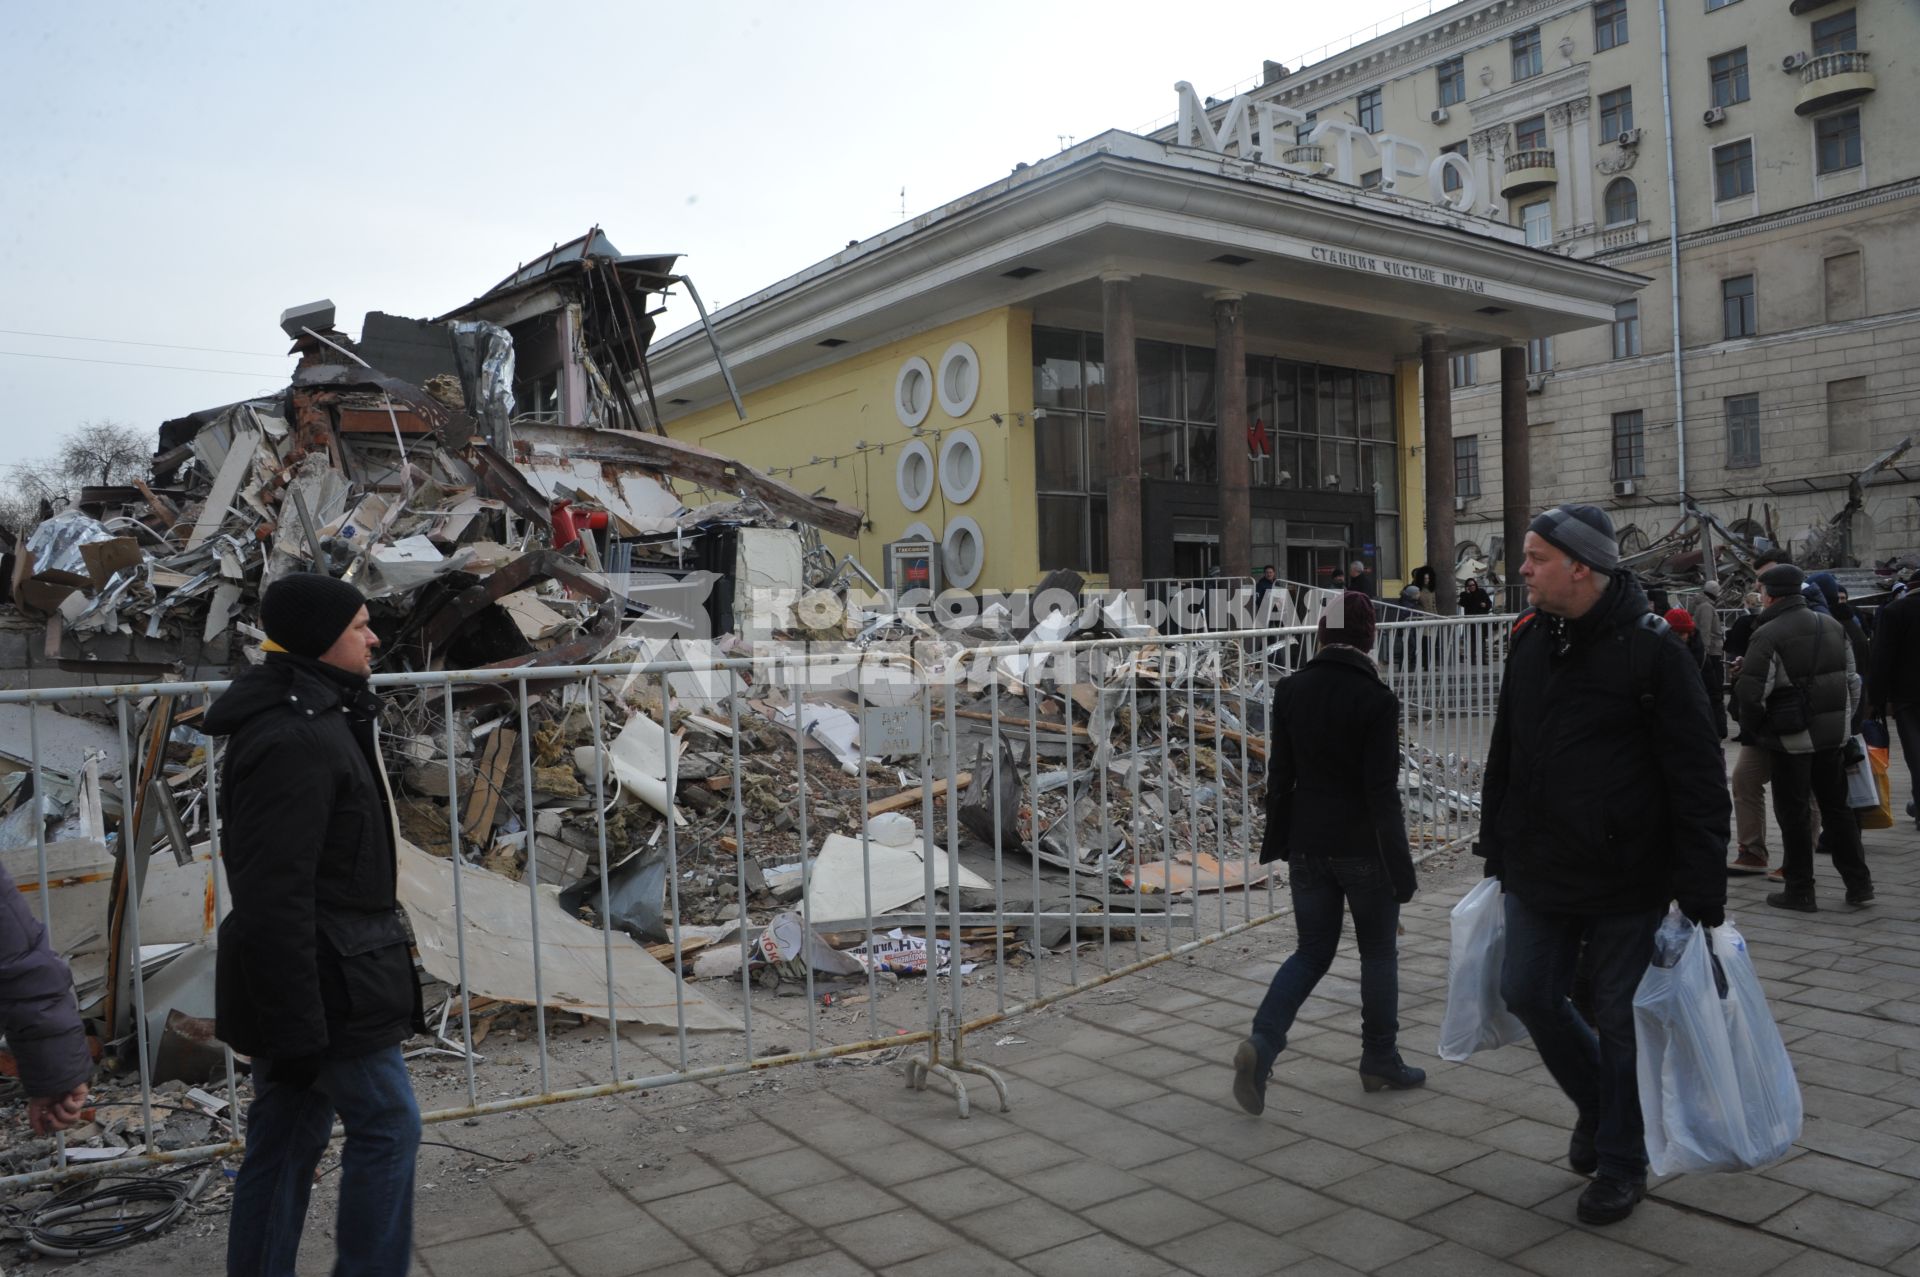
(287, 1131)
(1594, 1064)
(1324, 888)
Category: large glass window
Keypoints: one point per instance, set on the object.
(1622, 202)
(1537, 220)
(1466, 466)
(1453, 81)
(1328, 429)
(1743, 430)
(1526, 54)
(1070, 460)
(1836, 141)
(1733, 170)
(1739, 307)
(1728, 74)
(1616, 113)
(1626, 329)
(1609, 24)
(1629, 445)
(1368, 111)
(1837, 34)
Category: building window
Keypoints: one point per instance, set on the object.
(1368, 111)
(1847, 415)
(1526, 54)
(1466, 466)
(1738, 307)
(1626, 329)
(1609, 24)
(1845, 298)
(1370, 180)
(1629, 445)
(1304, 130)
(1322, 429)
(1835, 35)
(1453, 81)
(1728, 73)
(1537, 220)
(1070, 453)
(1743, 431)
(1622, 202)
(1462, 371)
(1733, 170)
(1530, 134)
(1450, 176)
(1836, 142)
(1719, 4)
(1539, 356)
(1616, 113)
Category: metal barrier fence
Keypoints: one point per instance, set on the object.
(1113, 790)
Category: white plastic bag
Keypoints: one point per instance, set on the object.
(1717, 1090)
(1477, 1018)
(1863, 791)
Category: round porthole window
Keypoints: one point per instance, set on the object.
(918, 532)
(959, 379)
(963, 552)
(913, 392)
(959, 465)
(913, 475)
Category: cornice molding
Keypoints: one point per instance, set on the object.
(1418, 45)
(1796, 216)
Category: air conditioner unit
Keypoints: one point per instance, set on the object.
(1715, 115)
(1536, 382)
(1459, 505)
(1439, 115)
(1623, 487)
(1794, 61)
(1628, 137)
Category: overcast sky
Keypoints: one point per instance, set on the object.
(177, 174)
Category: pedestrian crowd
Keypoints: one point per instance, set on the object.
(1606, 802)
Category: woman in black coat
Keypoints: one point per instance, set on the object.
(1333, 814)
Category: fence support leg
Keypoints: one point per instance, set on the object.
(951, 1036)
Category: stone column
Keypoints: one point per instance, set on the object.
(1437, 405)
(1586, 216)
(1489, 149)
(1516, 468)
(1230, 433)
(1125, 570)
(1560, 137)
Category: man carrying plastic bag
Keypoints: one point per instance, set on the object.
(1716, 1086)
(1605, 800)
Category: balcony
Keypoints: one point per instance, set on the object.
(1798, 7)
(1309, 157)
(1831, 79)
(1528, 170)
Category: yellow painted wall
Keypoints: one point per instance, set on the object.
(829, 412)
(1411, 432)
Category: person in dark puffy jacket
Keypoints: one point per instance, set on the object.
(1605, 798)
(1797, 694)
(314, 978)
(37, 1013)
(1333, 814)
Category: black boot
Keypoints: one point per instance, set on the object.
(1252, 1066)
(1798, 902)
(1390, 1073)
(1609, 1200)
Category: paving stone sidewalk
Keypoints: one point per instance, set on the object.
(1124, 1152)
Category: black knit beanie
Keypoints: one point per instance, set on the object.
(1583, 531)
(305, 612)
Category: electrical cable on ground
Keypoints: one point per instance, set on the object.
(93, 1219)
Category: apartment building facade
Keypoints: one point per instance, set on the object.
(1753, 159)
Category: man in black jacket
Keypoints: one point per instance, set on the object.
(314, 979)
(1605, 798)
(1893, 682)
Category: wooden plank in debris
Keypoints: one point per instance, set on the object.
(226, 486)
(1021, 723)
(162, 508)
(908, 797)
(1256, 747)
(483, 801)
